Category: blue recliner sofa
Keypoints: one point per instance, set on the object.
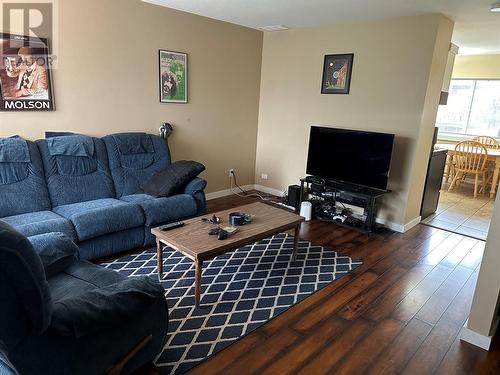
(133, 159)
(24, 198)
(90, 189)
(62, 315)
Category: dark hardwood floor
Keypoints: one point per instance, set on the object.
(400, 312)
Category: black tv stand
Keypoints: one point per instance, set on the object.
(324, 192)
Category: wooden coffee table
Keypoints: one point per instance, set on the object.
(193, 240)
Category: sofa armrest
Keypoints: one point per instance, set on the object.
(195, 189)
(194, 186)
(56, 250)
(107, 306)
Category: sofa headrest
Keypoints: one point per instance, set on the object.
(71, 145)
(52, 134)
(14, 150)
(134, 143)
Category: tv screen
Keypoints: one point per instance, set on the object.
(357, 157)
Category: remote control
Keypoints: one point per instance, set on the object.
(175, 224)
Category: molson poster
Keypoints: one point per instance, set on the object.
(25, 74)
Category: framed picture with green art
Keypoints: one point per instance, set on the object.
(173, 77)
(337, 70)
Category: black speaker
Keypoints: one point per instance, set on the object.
(294, 197)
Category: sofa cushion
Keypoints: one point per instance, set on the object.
(173, 178)
(112, 305)
(76, 173)
(112, 243)
(56, 250)
(79, 278)
(22, 181)
(40, 222)
(162, 210)
(102, 216)
(134, 158)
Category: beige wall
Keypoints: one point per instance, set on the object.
(107, 80)
(393, 61)
(428, 119)
(477, 66)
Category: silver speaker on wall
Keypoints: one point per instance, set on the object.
(165, 130)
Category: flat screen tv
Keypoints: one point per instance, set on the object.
(350, 156)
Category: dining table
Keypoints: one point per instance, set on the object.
(493, 155)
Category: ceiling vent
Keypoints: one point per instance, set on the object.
(274, 28)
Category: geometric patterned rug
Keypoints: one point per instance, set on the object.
(241, 290)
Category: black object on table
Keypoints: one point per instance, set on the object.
(175, 224)
(334, 191)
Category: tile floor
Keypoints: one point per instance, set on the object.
(458, 211)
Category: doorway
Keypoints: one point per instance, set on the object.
(472, 113)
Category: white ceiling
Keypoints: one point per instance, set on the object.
(477, 30)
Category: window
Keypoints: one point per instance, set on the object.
(473, 108)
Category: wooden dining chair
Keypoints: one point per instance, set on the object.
(487, 141)
(491, 144)
(449, 168)
(470, 158)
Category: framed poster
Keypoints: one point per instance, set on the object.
(173, 77)
(337, 71)
(25, 74)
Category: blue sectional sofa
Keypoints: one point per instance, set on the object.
(90, 189)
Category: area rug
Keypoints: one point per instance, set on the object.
(241, 290)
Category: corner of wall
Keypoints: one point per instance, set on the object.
(437, 67)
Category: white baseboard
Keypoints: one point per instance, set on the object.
(268, 190)
(226, 192)
(476, 339)
(400, 228)
(412, 223)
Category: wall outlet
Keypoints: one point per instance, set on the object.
(264, 176)
(231, 172)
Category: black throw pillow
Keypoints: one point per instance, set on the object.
(173, 178)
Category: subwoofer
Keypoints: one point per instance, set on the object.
(294, 198)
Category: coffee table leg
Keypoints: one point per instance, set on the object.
(296, 242)
(159, 259)
(197, 282)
